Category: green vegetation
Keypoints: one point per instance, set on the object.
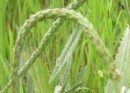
(64, 46)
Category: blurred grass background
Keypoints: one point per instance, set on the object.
(109, 18)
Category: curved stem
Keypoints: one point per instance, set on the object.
(23, 33)
(63, 13)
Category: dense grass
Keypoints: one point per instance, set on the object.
(83, 70)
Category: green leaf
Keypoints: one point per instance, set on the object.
(122, 59)
(66, 53)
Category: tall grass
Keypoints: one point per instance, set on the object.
(81, 64)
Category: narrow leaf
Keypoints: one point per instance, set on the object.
(66, 53)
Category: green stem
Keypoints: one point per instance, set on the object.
(23, 33)
(69, 14)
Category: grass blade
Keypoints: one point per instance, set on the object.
(66, 53)
(123, 63)
(122, 59)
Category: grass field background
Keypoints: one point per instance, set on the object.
(83, 71)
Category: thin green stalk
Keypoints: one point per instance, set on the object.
(25, 30)
(70, 14)
(64, 13)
